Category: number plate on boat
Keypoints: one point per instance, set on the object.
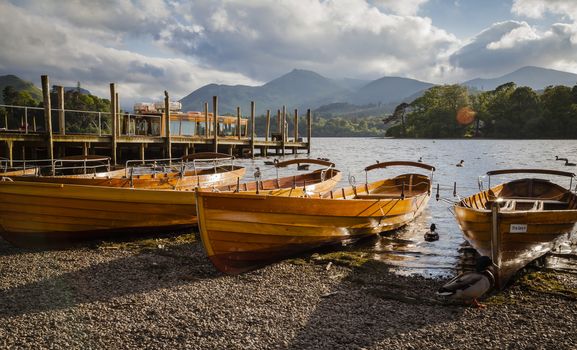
(518, 228)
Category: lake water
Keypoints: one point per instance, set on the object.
(405, 250)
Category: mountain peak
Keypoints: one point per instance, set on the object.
(536, 78)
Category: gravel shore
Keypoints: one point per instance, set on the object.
(166, 294)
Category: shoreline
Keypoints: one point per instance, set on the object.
(165, 293)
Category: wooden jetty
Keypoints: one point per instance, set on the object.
(113, 134)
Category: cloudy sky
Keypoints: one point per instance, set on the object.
(147, 46)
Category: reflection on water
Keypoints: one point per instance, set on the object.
(405, 250)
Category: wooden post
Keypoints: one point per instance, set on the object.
(267, 128)
(48, 119)
(252, 127)
(215, 116)
(206, 125)
(296, 131)
(278, 129)
(283, 129)
(85, 149)
(61, 120)
(309, 131)
(142, 147)
(267, 131)
(238, 132)
(114, 122)
(496, 241)
(167, 140)
(118, 123)
(10, 145)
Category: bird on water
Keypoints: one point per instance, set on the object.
(257, 174)
(563, 159)
(432, 234)
(460, 164)
(471, 285)
(567, 163)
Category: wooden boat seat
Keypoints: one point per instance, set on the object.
(377, 196)
(533, 205)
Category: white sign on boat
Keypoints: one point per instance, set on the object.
(518, 228)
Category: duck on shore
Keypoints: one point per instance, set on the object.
(432, 235)
(471, 285)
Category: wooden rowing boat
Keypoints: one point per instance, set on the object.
(45, 214)
(518, 221)
(316, 182)
(242, 231)
(36, 214)
(186, 174)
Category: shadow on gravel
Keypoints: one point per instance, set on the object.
(371, 305)
(146, 271)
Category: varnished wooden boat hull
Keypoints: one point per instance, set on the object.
(20, 172)
(223, 176)
(36, 214)
(43, 214)
(516, 249)
(241, 232)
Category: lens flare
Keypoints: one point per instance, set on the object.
(465, 116)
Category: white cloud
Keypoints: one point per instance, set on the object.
(403, 8)
(538, 8)
(515, 37)
(148, 46)
(33, 45)
(509, 45)
(334, 38)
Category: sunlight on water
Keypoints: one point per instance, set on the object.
(406, 250)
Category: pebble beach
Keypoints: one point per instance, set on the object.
(165, 294)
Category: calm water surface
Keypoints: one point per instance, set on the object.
(405, 250)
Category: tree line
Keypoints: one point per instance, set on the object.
(446, 111)
(508, 111)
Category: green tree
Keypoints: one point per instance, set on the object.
(557, 111)
(435, 113)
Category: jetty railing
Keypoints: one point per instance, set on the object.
(52, 130)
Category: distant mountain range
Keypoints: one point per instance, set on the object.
(535, 77)
(23, 85)
(19, 85)
(304, 89)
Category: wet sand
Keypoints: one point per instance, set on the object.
(166, 294)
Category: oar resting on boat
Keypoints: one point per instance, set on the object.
(316, 182)
(243, 231)
(205, 169)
